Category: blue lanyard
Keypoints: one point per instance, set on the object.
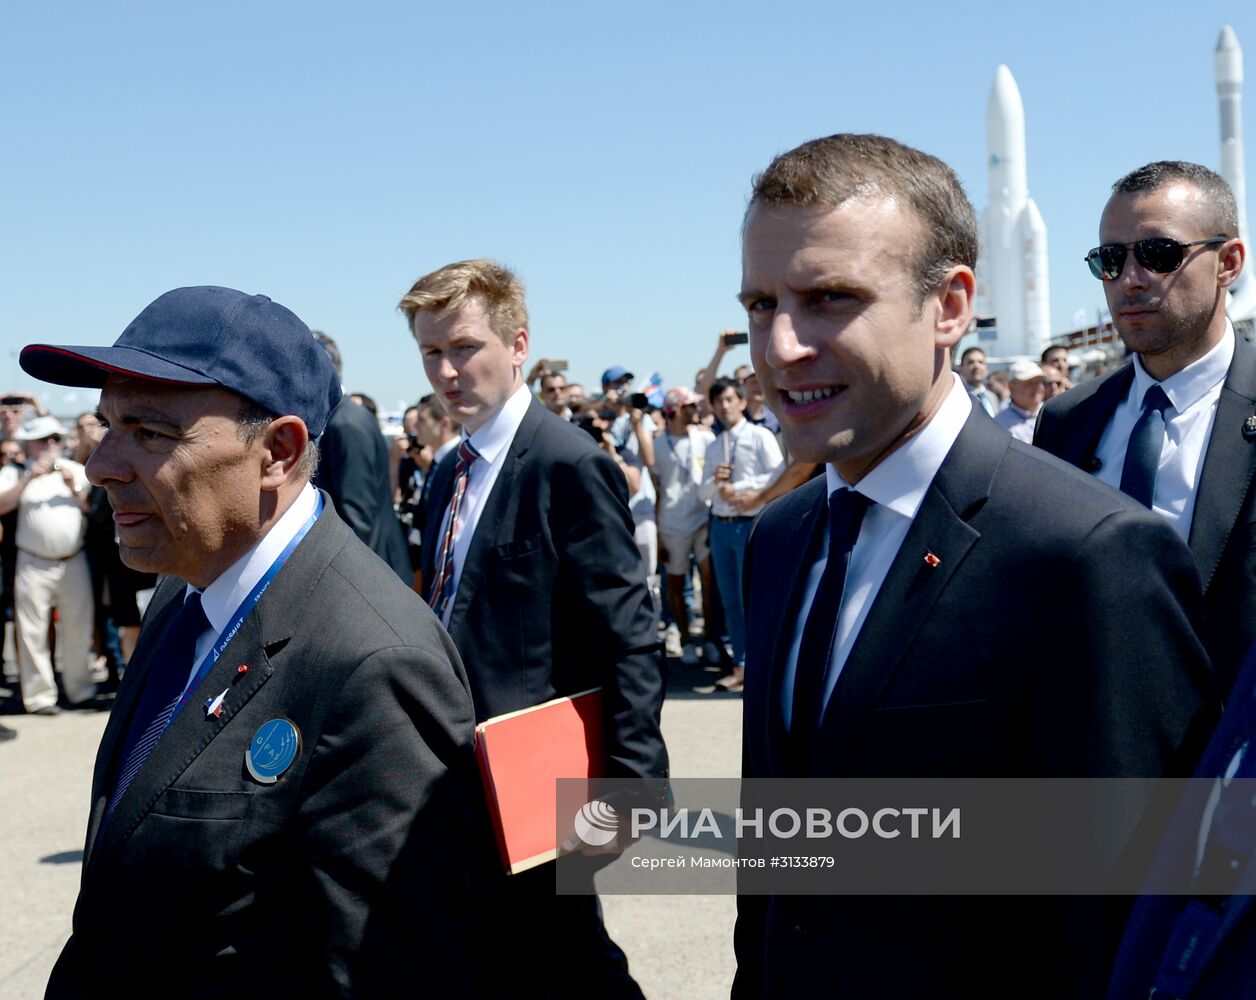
(242, 612)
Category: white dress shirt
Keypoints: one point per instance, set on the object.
(1194, 393)
(492, 441)
(897, 488)
(227, 592)
(756, 458)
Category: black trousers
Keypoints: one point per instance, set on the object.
(531, 942)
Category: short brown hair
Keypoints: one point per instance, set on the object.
(451, 287)
(1223, 212)
(835, 169)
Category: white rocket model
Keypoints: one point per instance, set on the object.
(1230, 97)
(1012, 285)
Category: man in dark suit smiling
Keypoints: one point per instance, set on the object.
(885, 600)
(529, 561)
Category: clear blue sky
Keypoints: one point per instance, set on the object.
(328, 154)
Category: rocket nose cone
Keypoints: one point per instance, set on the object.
(1005, 99)
(1229, 58)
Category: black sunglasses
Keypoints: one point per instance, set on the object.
(1157, 253)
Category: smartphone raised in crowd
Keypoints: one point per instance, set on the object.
(733, 339)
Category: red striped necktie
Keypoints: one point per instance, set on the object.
(443, 589)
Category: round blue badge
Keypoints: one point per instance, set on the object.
(275, 746)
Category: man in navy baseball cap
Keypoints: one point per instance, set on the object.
(207, 335)
(293, 719)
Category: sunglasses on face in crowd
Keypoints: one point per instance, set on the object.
(1156, 253)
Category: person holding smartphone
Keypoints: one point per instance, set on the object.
(744, 458)
(51, 500)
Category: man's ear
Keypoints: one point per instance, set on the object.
(283, 444)
(1231, 259)
(519, 347)
(954, 305)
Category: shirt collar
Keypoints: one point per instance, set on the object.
(495, 436)
(1192, 383)
(221, 598)
(903, 477)
(444, 450)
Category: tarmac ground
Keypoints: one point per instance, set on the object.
(677, 946)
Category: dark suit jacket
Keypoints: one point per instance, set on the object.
(1223, 529)
(353, 469)
(1229, 967)
(552, 599)
(951, 676)
(346, 876)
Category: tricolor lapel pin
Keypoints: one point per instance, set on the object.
(213, 706)
(932, 561)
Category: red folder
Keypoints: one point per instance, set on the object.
(521, 755)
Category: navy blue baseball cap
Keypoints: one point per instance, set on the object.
(205, 335)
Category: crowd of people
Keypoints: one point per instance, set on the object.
(66, 591)
(869, 527)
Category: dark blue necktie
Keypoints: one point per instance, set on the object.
(1142, 454)
(167, 678)
(846, 513)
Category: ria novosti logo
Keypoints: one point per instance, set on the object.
(597, 823)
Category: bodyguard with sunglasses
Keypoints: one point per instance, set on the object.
(1175, 428)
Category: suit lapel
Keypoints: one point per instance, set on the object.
(1229, 464)
(119, 724)
(191, 731)
(1092, 416)
(262, 634)
(497, 521)
(442, 478)
(915, 582)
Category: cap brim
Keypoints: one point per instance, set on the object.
(90, 366)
